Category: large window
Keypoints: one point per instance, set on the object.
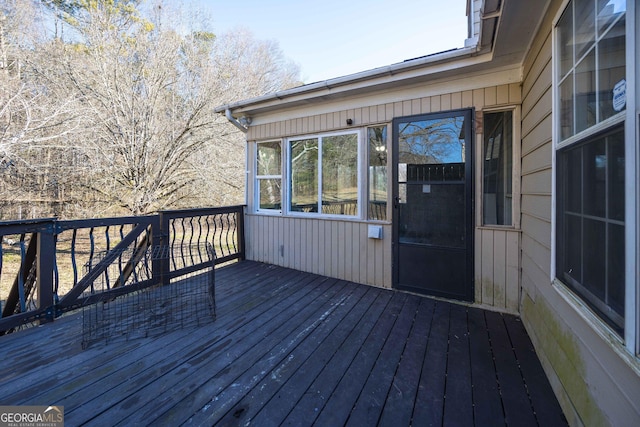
(269, 175)
(497, 170)
(590, 247)
(591, 92)
(324, 175)
(591, 67)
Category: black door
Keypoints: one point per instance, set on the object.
(433, 204)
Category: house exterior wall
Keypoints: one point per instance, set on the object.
(341, 248)
(596, 380)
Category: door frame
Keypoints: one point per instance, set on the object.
(469, 127)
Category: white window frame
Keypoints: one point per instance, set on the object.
(258, 178)
(516, 171)
(361, 156)
(631, 117)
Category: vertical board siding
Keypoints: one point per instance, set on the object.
(500, 268)
(508, 94)
(342, 249)
(306, 245)
(497, 268)
(512, 273)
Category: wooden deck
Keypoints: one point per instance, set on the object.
(291, 348)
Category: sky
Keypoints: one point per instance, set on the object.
(334, 38)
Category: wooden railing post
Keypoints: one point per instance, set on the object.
(46, 252)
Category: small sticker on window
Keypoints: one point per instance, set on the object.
(620, 95)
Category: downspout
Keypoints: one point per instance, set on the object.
(235, 122)
(245, 129)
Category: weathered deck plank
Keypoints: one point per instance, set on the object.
(429, 405)
(307, 408)
(487, 405)
(458, 403)
(398, 409)
(291, 348)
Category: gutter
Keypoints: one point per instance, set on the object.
(385, 71)
(233, 120)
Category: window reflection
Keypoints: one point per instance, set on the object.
(324, 175)
(377, 137)
(497, 169)
(269, 175)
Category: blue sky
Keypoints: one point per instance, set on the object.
(333, 38)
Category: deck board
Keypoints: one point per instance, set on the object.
(458, 403)
(487, 405)
(429, 404)
(398, 409)
(291, 348)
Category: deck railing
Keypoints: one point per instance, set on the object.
(49, 267)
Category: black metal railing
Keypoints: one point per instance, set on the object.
(49, 267)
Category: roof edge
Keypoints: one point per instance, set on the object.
(388, 70)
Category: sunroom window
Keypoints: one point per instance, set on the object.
(590, 82)
(324, 175)
(377, 138)
(269, 175)
(497, 170)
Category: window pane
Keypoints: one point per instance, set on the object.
(565, 36)
(573, 247)
(377, 137)
(340, 174)
(269, 158)
(585, 107)
(566, 108)
(612, 69)
(616, 175)
(585, 26)
(573, 179)
(270, 193)
(595, 179)
(590, 217)
(304, 175)
(608, 11)
(497, 168)
(594, 257)
(591, 62)
(616, 260)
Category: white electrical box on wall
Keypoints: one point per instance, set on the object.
(375, 232)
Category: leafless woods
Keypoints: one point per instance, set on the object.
(106, 107)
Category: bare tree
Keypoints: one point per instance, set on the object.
(38, 116)
(121, 104)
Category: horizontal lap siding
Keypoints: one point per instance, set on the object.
(593, 383)
(536, 208)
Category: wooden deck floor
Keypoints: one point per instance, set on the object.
(291, 348)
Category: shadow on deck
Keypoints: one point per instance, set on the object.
(292, 348)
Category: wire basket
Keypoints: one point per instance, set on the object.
(154, 299)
